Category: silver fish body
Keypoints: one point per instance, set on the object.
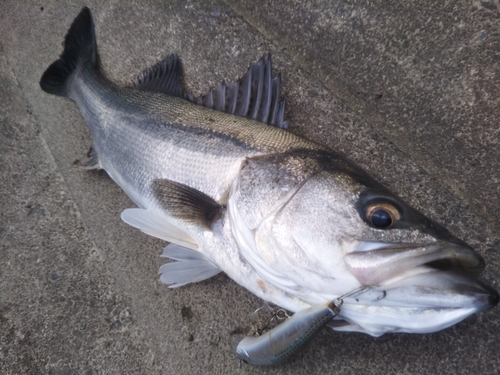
(166, 137)
(288, 219)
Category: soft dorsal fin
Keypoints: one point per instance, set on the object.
(185, 203)
(254, 96)
(162, 77)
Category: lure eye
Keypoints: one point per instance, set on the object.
(382, 215)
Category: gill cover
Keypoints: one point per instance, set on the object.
(296, 255)
(337, 245)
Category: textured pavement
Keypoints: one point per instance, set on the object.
(409, 92)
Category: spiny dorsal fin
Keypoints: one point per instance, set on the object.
(162, 77)
(254, 96)
(185, 203)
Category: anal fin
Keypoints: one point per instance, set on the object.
(92, 161)
(190, 267)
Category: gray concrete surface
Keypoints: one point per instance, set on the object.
(410, 92)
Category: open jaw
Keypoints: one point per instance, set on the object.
(373, 263)
(416, 288)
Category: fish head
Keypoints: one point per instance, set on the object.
(318, 226)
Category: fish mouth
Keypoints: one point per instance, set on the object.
(375, 263)
(422, 303)
(419, 288)
(439, 274)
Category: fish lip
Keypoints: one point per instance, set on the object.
(466, 292)
(395, 265)
(373, 263)
(424, 302)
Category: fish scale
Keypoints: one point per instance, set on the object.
(184, 142)
(292, 221)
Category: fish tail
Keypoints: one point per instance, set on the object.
(79, 51)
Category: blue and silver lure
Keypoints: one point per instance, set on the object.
(282, 341)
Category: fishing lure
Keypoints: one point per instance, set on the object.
(285, 339)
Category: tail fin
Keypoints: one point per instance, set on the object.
(79, 49)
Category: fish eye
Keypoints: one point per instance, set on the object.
(382, 215)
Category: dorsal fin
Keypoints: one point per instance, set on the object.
(254, 96)
(162, 77)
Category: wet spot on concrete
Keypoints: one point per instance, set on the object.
(187, 313)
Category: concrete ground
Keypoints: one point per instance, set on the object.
(408, 91)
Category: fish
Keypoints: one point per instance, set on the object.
(222, 180)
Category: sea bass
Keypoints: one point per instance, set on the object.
(220, 178)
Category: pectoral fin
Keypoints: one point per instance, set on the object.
(180, 204)
(187, 207)
(187, 204)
